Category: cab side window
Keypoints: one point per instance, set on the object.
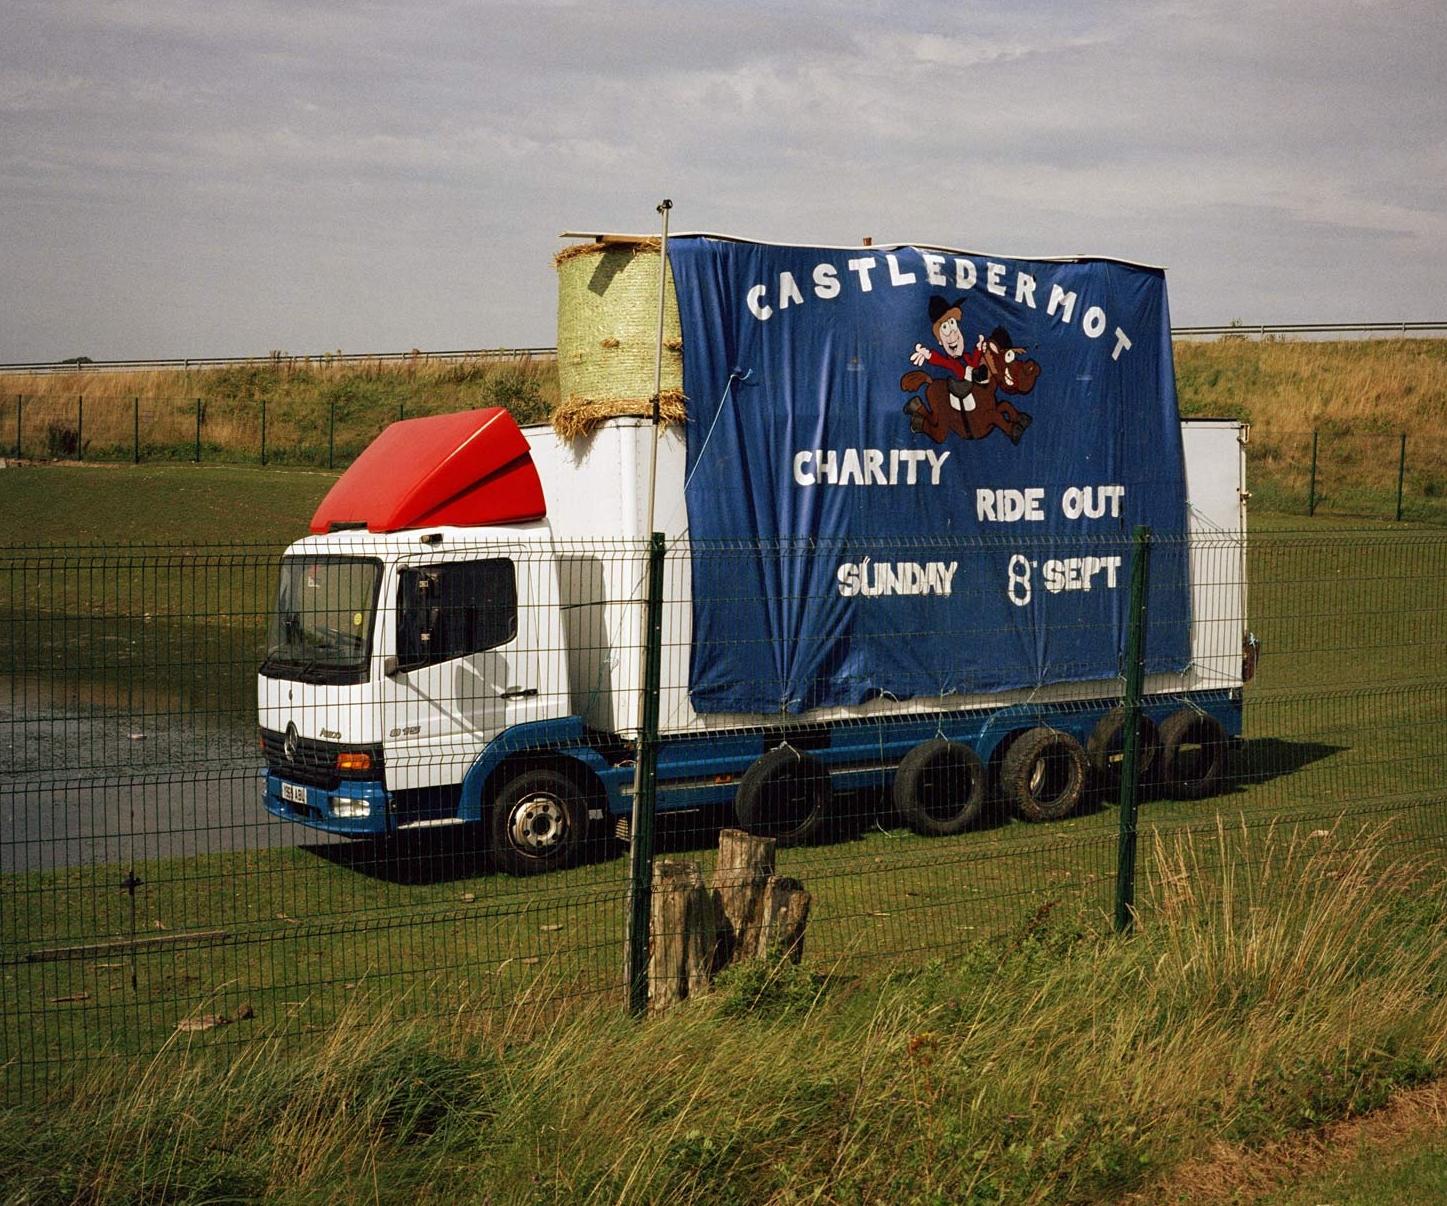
(447, 611)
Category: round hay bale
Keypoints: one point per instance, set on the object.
(608, 335)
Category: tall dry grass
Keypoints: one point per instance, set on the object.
(308, 405)
(1359, 397)
(1272, 985)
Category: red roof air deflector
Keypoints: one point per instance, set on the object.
(470, 469)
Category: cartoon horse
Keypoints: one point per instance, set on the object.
(939, 411)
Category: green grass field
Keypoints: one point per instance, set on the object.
(1343, 752)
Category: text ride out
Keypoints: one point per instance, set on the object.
(1076, 502)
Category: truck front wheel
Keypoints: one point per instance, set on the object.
(1043, 774)
(939, 788)
(539, 821)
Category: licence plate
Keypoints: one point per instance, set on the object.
(293, 793)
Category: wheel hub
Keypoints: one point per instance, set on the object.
(538, 823)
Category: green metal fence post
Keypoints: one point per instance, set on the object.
(80, 427)
(263, 431)
(1401, 475)
(401, 409)
(1130, 762)
(640, 853)
(135, 431)
(198, 431)
(332, 436)
(19, 418)
(1311, 490)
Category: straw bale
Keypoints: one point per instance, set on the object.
(576, 417)
(608, 333)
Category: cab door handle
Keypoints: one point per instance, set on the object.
(517, 693)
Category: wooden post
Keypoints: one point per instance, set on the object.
(681, 954)
(786, 913)
(740, 878)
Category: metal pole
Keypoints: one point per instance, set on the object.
(1401, 475)
(135, 431)
(331, 436)
(645, 797)
(198, 431)
(401, 409)
(1311, 490)
(80, 427)
(1129, 772)
(263, 429)
(19, 418)
(645, 786)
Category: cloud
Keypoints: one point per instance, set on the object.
(194, 143)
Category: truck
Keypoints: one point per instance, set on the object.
(458, 642)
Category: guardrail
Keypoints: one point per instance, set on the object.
(85, 364)
(1262, 330)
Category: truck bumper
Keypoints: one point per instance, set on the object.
(355, 808)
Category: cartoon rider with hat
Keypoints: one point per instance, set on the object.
(964, 369)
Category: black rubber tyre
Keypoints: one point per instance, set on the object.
(1105, 750)
(539, 821)
(785, 795)
(939, 788)
(1043, 774)
(1192, 761)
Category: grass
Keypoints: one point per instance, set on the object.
(317, 413)
(1345, 717)
(1269, 997)
(1359, 396)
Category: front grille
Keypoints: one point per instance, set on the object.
(315, 762)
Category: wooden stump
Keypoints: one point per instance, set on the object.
(786, 913)
(681, 928)
(740, 878)
(746, 912)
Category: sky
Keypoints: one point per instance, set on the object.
(233, 178)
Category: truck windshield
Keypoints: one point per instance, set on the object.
(321, 630)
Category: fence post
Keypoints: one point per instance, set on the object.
(401, 409)
(331, 436)
(1135, 652)
(19, 417)
(640, 851)
(198, 431)
(136, 430)
(80, 427)
(263, 431)
(1401, 475)
(1311, 490)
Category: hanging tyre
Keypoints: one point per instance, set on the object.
(1192, 760)
(785, 795)
(1043, 774)
(539, 821)
(1105, 750)
(939, 788)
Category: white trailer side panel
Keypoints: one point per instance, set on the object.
(597, 507)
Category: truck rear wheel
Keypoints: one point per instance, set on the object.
(1043, 774)
(1105, 749)
(539, 821)
(1193, 755)
(785, 795)
(939, 788)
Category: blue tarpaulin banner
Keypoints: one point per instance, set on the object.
(928, 465)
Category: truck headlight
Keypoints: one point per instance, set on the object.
(349, 806)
